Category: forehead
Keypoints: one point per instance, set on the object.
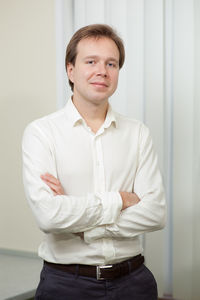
(102, 46)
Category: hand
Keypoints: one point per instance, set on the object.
(53, 183)
(129, 199)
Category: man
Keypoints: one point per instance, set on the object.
(92, 181)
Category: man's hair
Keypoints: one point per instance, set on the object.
(93, 31)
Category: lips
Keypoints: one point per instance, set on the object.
(99, 84)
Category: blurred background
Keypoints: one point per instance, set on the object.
(159, 84)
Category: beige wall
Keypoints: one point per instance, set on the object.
(28, 91)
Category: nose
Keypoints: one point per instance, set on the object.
(102, 70)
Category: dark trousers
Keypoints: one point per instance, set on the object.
(58, 285)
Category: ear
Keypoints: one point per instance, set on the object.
(70, 72)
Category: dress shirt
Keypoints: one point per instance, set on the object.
(92, 168)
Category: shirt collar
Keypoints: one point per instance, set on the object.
(110, 118)
(72, 113)
(75, 117)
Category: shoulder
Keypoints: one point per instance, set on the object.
(41, 128)
(131, 123)
(134, 129)
(43, 124)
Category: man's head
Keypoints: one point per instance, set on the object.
(95, 31)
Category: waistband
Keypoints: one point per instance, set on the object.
(101, 272)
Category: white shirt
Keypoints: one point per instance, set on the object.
(92, 169)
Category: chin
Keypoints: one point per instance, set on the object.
(98, 98)
(101, 99)
(102, 96)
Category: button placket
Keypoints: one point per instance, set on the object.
(95, 169)
(108, 249)
(100, 165)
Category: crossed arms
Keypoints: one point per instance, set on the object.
(128, 199)
(99, 215)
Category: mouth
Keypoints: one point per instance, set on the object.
(99, 84)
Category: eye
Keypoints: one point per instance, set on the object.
(112, 65)
(90, 62)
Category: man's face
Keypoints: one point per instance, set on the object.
(96, 70)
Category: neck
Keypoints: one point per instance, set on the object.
(93, 114)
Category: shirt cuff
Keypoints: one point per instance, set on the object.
(112, 206)
(94, 234)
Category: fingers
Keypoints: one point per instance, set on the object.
(137, 199)
(50, 178)
(53, 183)
(129, 199)
(55, 188)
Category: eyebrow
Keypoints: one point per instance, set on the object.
(108, 59)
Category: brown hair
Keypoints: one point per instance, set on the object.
(95, 31)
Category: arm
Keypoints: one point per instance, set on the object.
(149, 213)
(60, 213)
(128, 199)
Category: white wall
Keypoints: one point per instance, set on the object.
(183, 147)
(196, 158)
